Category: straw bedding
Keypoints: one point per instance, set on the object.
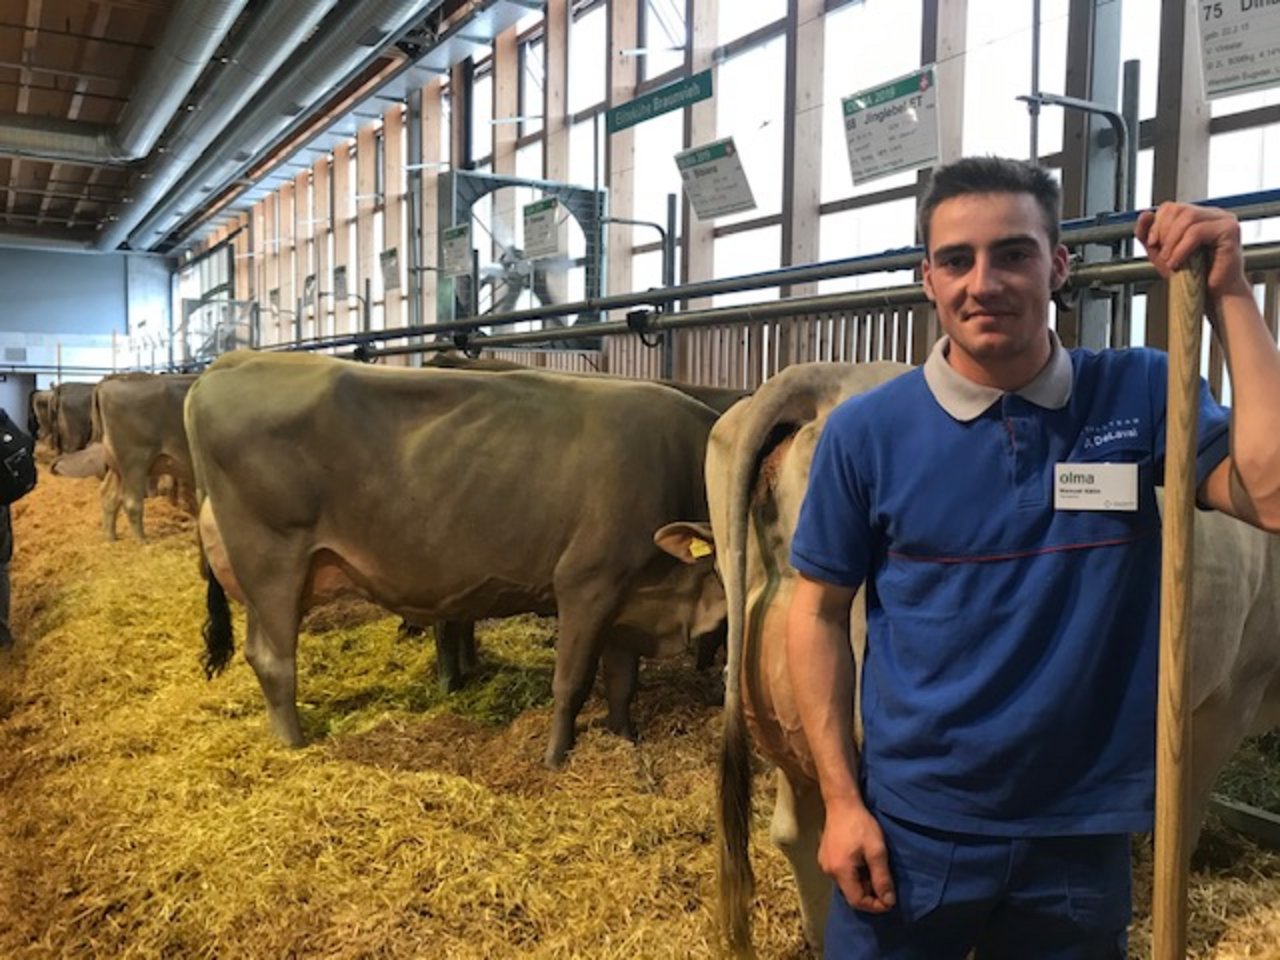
(147, 813)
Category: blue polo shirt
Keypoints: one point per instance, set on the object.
(1009, 685)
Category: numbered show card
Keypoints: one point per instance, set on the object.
(892, 127)
(1240, 45)
(714, 180)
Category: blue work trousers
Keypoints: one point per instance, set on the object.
(1005, 898)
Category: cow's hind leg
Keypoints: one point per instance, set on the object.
(796, 829)
(110, 493)
(134, 493)
(621, 668)
(271, 648)
(276, 579)
(585, 609)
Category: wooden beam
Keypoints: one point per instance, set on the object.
(802, 128)
(555, 92)
(620, 149)
(287, 252)
(1181, 152)
(393, 182)
(341, 216)
(323, 227)
(366, 185)
(433, 151)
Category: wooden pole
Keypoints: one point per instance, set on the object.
(1173, 726)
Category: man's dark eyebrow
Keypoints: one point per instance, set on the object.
(1004, 243)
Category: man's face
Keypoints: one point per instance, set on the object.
(990, 272)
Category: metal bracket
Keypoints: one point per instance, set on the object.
(463, 342)
(640, 323)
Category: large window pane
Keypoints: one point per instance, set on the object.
(866, 44)
(664, 37)
(657, 142)
(533, 71)
(529, 161)
(1244, 161)
(739, 18)
(587, 49)
(751, 112)
(582, 152)
(481, 115)
(742, 254)
(1140, 40)
(998, 69)
(866, 232)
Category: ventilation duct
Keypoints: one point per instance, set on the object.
(328, 62)
(276, 32)
(194, 31)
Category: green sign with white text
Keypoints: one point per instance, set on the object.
(674, 96)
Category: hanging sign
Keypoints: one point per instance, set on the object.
(893, 127)
(545, 229)
(674, 96)
(455, 250)
(390, 261)
(1240, 45)
(339, 283)
(309, 290)
(714, 180)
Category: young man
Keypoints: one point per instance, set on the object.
(1009, 686)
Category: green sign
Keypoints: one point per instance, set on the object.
(673, 96)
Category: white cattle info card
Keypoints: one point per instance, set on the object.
(1095, 486)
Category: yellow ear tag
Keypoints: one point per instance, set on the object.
(699, 548)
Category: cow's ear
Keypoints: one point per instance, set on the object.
(687, 542)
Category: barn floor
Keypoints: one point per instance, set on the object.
(145, 812)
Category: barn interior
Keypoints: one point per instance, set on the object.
(390, 181)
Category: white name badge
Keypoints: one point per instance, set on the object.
(1095, 486)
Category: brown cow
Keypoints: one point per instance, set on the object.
(70, 411)
(447, 494)
(40, 418)
(138, 418)
(758, 461)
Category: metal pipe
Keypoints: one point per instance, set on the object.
(1033, 105)
(1262, 257)
(277, 30)
(352, 38)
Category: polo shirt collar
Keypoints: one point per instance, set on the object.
(966, 400)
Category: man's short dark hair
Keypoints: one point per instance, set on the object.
(993, 175)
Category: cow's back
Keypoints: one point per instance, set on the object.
(487, 481)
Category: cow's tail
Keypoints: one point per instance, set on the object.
(737, 882)
(95, 416)
(219, 640)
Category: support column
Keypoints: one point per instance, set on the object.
(366, 200)
(620, 148)
(393, 183)
(432, 152)
(555, 96)
(1089, 164)
(802, 129)
(1181, 134)
(322, 214)
(341, 216)
(506, 104)
(699, 128)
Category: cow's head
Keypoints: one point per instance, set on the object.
(692, 543)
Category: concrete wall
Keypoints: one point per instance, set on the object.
(50, 292)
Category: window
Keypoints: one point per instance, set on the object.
(998, 68)
(1140, 40)
(738, 19)
(1243, 161)
(656, 144)
(532, 77)
(743, 254)
(582, 152)
(662, 36)
(865, 44)
(482, 113)
(751, 112)
(866, 232)
(529, 161)
(587, 51)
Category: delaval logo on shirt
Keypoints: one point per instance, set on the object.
(1109, 433)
